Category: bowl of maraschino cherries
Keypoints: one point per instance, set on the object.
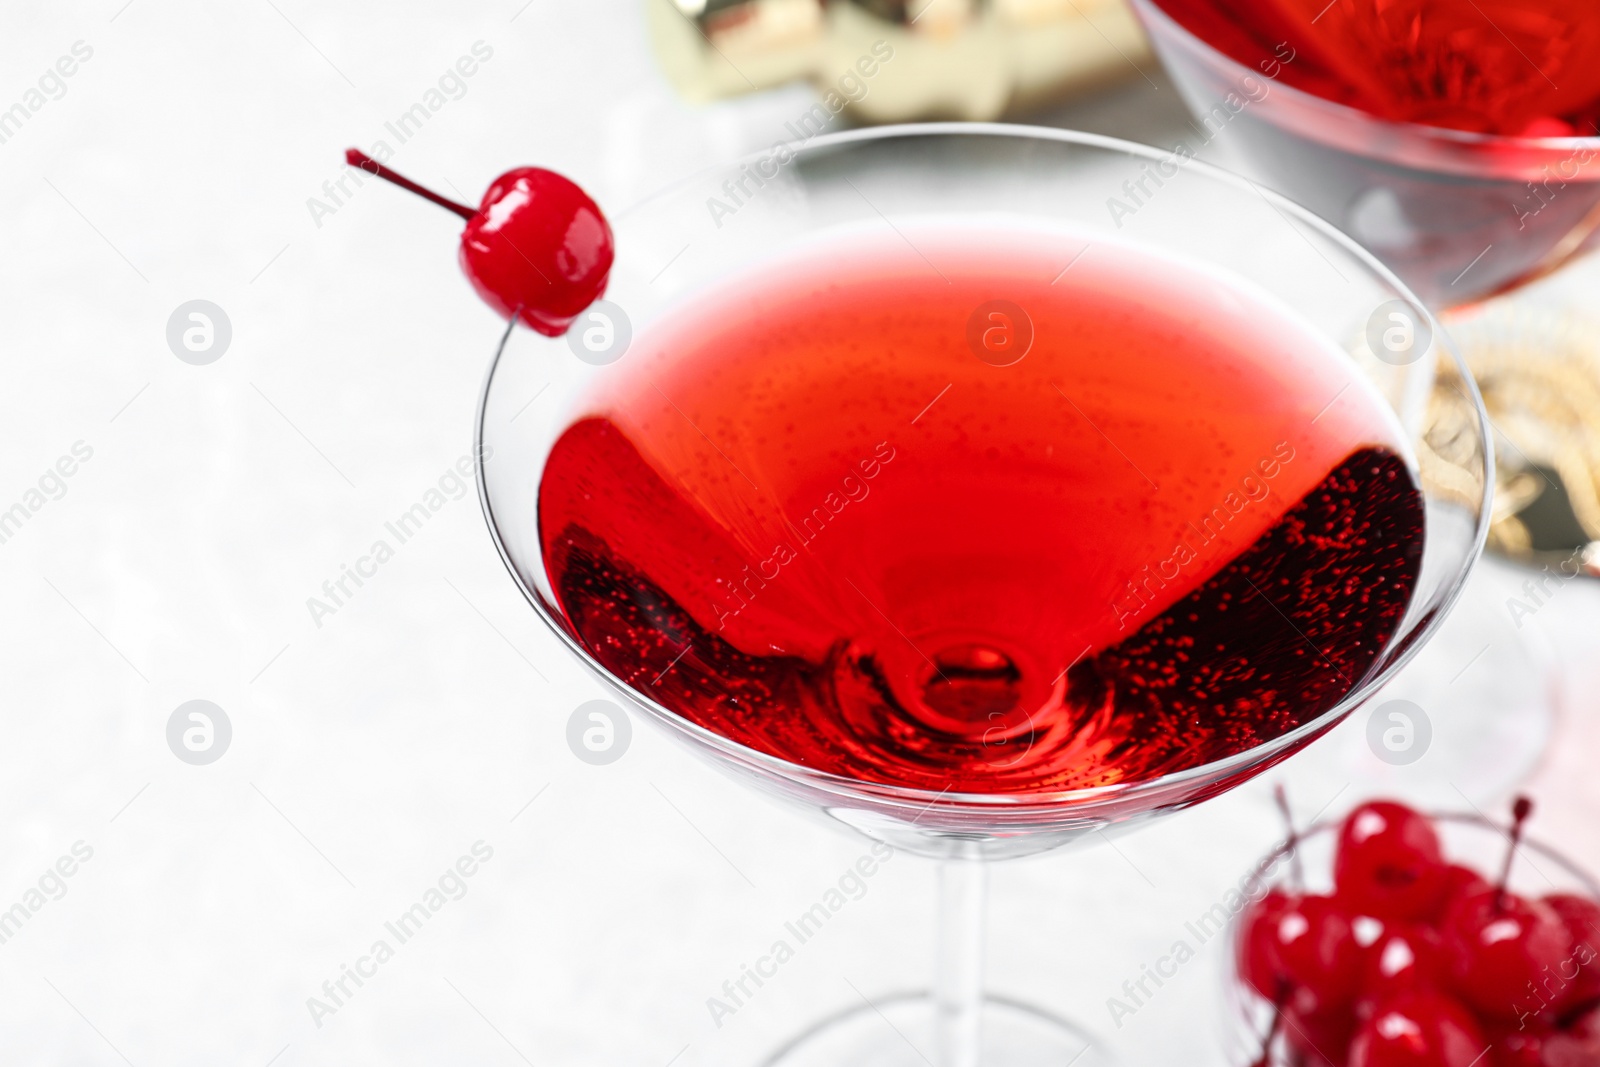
(1398, 939)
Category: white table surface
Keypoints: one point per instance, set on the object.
(370, 753)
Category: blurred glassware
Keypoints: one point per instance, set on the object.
(1461, 217)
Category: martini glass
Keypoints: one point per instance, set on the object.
(672, 252)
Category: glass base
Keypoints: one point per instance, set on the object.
(898, 1031)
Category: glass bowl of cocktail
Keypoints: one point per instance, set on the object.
(900, 478)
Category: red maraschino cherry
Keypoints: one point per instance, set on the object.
(1406, 958)
(1258, 945)
(1421, 1029)
(1501, 947)
(1318, 1039)
(1318, 958)
(1458, 882)
(536, 246)
(1389, 863)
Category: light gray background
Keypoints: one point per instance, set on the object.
(429, 712)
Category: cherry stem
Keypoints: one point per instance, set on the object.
(1520, 810)
(357, 158)
(1292, 844)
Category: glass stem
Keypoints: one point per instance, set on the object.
(958, 966)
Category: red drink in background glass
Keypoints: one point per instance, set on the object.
(1458, 139)
(1511, 67)
(822, 520)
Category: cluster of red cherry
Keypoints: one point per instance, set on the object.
(1414, 961)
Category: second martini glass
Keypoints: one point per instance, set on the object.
(679, 252)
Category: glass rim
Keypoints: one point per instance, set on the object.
(1149, 9)
(1017, 803)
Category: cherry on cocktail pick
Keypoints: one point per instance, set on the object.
(536, 247)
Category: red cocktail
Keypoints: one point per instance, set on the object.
(822, 519)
